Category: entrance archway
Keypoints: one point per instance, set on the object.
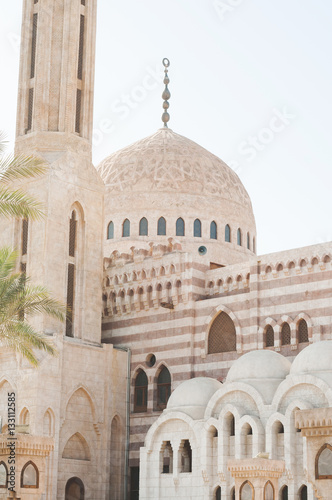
(74, 489)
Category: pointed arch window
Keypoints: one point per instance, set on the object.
(163, 388)
(227, 234)
(3, 475)
(141, 392)
(197, 228)
(239, 237)
(302, 331)
(25, 235)
(180, 227)
(110, 231)
(222, 335)
(143, 227)
(303, 493)
(323, 462)
(161, 229)
(213, 230)
(269, 336)
(218, 494)
(247, 491)
(284, 493)
(126, 228)
(269, 491)
(30, 476)
(285, 334)
(75, 489)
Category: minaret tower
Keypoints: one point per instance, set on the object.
(54, 121)
(56, 83)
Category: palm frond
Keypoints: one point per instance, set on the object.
(18, 167)
(3, 141)
(19, 204)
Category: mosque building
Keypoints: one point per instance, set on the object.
(189, 367)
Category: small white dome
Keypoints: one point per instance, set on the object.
(261, 369)
(192, 396)
(315, 360)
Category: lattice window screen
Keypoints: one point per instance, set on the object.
(302, 329)
(269, 336)
(81, 49)
(30, 109)
(25, 234)
(78, 111)
(70, 300)
(285, 334)
(33, 45)
(72, 235)
(222, 335)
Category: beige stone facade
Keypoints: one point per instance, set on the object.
(155, 252)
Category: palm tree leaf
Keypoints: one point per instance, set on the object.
(18, 167)
(19, 204)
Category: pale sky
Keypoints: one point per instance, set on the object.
(251, 82)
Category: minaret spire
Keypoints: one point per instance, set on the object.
(166, 94)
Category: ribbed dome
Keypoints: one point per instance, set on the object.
(166, 161)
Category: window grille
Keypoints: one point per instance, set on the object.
(163, 388)
(227, 234)
(25, 232)
(143, 227)
(72, 235)
(110, 231)
(81, 49)
(302, 331)
(33, 45)
(213, 230)
(30, 109)
(161, 231)
(222, 335)
(70, 300)
(141, 392)
(285, 334)
(179, 227)
(126, 228)
(78, 111)
(197, 228)
(269, 333)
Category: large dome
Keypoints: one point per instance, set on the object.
(192, 396)
(315, 360)
(263, 369)
(167, 175)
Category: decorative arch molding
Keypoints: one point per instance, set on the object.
(93, 404)
(216, 399)
(8, 380)
(297, 403)
(261, 330)
(208, 323)
(309, 322)
(50, 411)
(79, 208)
(294, 380)
(24, 415)
(258, 434)
(83, 453)
(328, 447)
(164, 419)
(278, 327)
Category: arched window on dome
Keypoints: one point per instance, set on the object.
(197, 228)
(126, 228)
(213, 230)
(222, 335)
(3, 475)
(163, 388)
(323, 462)
(180, 227)
(269, 336)
(239, 237)
(302, 331)
(161, 229)
(143, 227)
(285, 334)
(141, 392)
(248, 241)
(110, 231)
(227, 234)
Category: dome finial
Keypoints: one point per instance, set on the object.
(166, 94)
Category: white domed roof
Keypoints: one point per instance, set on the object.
(316, 359)
(262, 369)
(192, 396)
(166, 161)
